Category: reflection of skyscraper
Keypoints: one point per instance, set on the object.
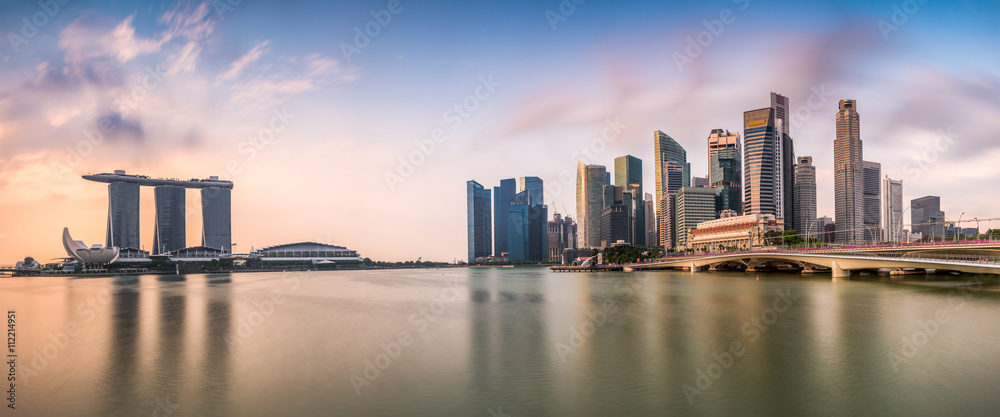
(479, 224)
(892, 207)
(501, 204)
(590, 182)
(666, 150)
(123, 215)
(805, 196)
(848, 175)
(169, 233)
(217, 218)
(872, 198)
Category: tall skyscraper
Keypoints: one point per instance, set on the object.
(217, 218)
(784, 162)
(590, 182)
(848, 175)
(628, 173)
(872, 199)
(650, 221)
(169, 233)
(479, 224)
(720, 139)
(805, 197)
(692, 205)
(123, 215)
(614, 225)
(892, 206)
(666, 151)
(725, 170)
(926, 216)
(760, 167)
(501, 204)
(673, 182)
(527, 223)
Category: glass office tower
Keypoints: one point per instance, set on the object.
(217, 218)
(169, 233)
(123, 215)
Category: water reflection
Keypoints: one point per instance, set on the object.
(122, 377)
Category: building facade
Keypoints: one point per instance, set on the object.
(848, 173)
(673, 181)
(805, 196)
(527, 223)
(785, 161)
(733, 233)
(169, 230)
(501, 204)
(892, 209)
(760, 170)
(562, 236)
(123, 215)
(666, 150)
(872, 199)
(692, 205)
(726, 172)
(720, 139)
(926, 217)
(590, 182)
(217, 218)
(628, 173)
(479, 221)
(614, 225)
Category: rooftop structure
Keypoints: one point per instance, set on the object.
(120, 176)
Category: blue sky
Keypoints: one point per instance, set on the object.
(326, 173)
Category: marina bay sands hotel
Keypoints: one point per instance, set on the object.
(169, 224)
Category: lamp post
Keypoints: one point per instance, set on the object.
(959, 234)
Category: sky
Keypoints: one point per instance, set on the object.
(358, 123)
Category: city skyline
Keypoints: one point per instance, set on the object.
(260, 106)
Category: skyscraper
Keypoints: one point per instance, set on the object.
(666, 150)
(650, 221)
(926, 216)
(123, 215)
(692, 205)
(217, 218)
(892, 206)
(590, 182)
(562, 235)
(726, 173)
(848, 175)
(785, 184)
(628, 173)
(479, 224)
(805, 197)
(760, 156)
(169, 233)
(720, 139)
(527, 223)
(501, 204)
(872, 199)
(673, 182)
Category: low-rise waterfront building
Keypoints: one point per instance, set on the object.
(733, 233)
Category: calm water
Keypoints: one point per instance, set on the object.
(490, 342)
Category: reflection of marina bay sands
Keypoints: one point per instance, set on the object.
(169, 224)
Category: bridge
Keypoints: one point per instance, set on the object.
(966, 258)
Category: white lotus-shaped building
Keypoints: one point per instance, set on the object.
(96, 254)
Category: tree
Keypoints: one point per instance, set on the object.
(791, 237)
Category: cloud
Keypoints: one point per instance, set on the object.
(274, 84)
(241, 64)
(118, 128)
